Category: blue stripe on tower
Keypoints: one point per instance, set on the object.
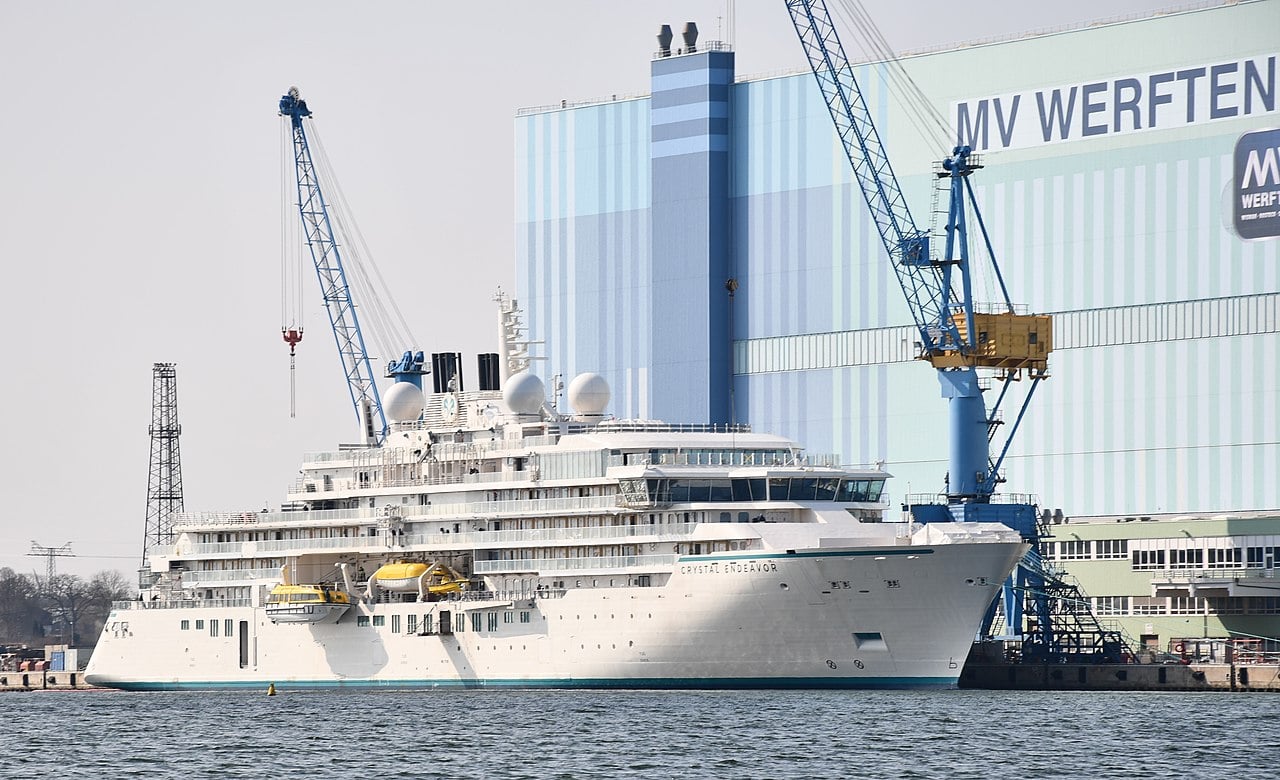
(690, 236)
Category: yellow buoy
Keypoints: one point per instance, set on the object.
(271, 689)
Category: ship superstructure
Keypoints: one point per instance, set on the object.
(491, 540)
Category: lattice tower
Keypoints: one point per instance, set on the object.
(164, 487)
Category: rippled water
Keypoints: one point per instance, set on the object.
(459, 734)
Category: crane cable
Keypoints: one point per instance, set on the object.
(387, 324)
(927, 121)
(292, 314)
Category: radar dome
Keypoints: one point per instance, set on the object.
(588, 394)
(523, 393)
(403, 402)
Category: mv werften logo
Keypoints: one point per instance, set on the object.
(1257, 178)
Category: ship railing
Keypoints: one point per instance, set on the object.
(165, 603)
(523, 507)
(599, 563)
(215, 518)
(304, 486)
(441, 450)
(923, 499)
(530, 535)
(654, 532)
(199, 577)
(655, 426)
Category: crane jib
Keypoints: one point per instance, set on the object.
(323, 245)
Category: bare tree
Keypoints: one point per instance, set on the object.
(67, 597)
(105, 587)
(20, 613)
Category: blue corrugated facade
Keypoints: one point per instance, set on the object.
(1112, 182)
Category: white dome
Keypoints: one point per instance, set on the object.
(588, 394)
(403, 402)
(524, 393)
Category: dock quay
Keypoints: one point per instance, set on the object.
(1212, 670)
(43, 681)
(1121, 677)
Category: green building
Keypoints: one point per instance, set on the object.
(1167, 579)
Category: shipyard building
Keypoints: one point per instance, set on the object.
(1132, 191)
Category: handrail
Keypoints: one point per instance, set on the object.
(648, 562)
(558, 536)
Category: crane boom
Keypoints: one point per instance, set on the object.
(323, 245)
(924, 283)
(955, 337)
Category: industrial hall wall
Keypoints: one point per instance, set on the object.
(1131, 186)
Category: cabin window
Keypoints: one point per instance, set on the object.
(493, 621)
(185, 625)
(748, 490)
(477, 621)
(411, 624)
(426, 622)
(362, 621)
(227, 626)
(395, 624)
(213, 628)
(199, 625)
(779, 489)
(508, 617)
(379, 621)
(524, 617)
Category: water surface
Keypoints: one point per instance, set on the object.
(459, 734)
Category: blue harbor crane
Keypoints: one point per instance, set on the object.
(322, 241)
(956, 336)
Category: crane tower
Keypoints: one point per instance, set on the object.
(958, 337)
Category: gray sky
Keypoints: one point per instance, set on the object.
(140, 212)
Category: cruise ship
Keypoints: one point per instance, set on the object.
(491, 540)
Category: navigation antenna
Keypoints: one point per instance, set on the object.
(164, 487)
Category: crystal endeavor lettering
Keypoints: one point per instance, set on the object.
(1151, 101)
(729, 567)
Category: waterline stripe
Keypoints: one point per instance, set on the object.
(666, 683)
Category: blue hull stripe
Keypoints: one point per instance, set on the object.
(672, 683)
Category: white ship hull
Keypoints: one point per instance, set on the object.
(584, 552)
(897, 616)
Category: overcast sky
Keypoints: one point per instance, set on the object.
(140, 212)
